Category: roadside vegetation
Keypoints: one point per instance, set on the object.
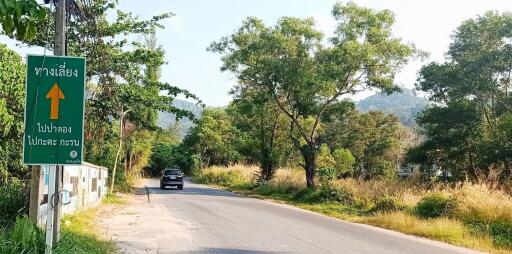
(467, 214)
(78, 236)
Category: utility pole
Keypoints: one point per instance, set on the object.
(59, 50)
(56, 177)
(60, 28)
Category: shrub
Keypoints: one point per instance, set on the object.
(385, 170)
(337, 193)
(14, 201)
(232, 177)
(387, 203)
(435, 205)
(502, 234)
(326, 175)
(344, 161)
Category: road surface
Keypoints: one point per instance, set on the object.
(200, 219)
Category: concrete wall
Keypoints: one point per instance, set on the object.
(84, 186)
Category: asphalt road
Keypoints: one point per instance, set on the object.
(200, 219)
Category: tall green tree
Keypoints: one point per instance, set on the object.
(12, 97)
(264, 132)
(467, 127)
(304, 77)
(215, 139)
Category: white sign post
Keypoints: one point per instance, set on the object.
(50, 210)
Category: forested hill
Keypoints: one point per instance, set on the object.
(166, 120)
(405, 105)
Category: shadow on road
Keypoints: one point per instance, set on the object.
(226, 251)
(190, 191)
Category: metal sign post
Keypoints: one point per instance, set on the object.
(50, 211)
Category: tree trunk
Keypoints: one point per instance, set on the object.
(267, 170)
(121, 126)
(310, 173)
(117, 155)
(309, 155)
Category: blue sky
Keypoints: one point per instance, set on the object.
(197, 23)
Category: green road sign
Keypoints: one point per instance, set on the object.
(54, 110)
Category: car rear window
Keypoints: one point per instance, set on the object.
(172, 172)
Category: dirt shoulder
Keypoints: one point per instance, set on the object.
(138, 226)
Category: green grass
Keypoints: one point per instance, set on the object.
(473, 216)
(112, 199)
(78, 236)
(79, 233)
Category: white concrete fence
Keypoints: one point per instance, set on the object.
(84, 186)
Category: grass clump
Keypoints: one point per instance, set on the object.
(234, 177)
(23, 237)
(113, 199)
(435, 205)
(387, 204)
(77, 237)
(442, 228)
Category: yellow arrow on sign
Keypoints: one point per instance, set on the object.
(55, 95)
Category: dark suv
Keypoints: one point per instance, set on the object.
(171, 177)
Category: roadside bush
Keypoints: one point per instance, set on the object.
(337, 193)
(326, 175)
(384, 170)
(228, 178)
(290, 179)
(233, 177)
(387, 204)
(14, 201)
(435, 205)
(502, 234)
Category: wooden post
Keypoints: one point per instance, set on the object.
(35, 194)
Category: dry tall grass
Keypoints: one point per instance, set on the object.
(478, 202)
(475, 201)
